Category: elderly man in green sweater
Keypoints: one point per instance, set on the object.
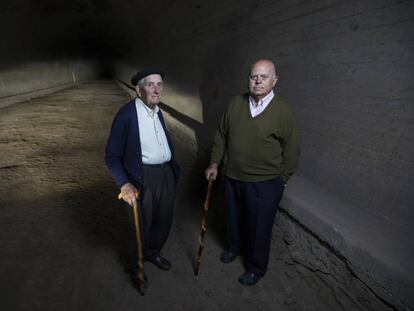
(258, 136)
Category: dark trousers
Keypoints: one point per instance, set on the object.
(156, 206)
(250, 212)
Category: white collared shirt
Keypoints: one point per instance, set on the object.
(154, 144)
(258, 108)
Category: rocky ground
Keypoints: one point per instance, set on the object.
(63, 232)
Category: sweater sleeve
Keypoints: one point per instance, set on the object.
(219, 145)
(290, 146)
(115, 147)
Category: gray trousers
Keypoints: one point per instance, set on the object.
(156, 207)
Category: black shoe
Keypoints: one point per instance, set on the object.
(160, 262)
(249, 278)
(228, 256)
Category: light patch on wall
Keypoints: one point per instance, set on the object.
(189, 105)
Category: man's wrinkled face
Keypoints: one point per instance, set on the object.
(150, 91)
(262, 79)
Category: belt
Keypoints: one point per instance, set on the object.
(156, 165)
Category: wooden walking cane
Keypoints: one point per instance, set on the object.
(203, 226)
(141, 276)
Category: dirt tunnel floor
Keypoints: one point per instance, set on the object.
(63, 233)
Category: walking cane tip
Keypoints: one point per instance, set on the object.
(196, 269)
(141, 291)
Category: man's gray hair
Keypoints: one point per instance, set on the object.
(141, 83)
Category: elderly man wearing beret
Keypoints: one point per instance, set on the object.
(140, 156)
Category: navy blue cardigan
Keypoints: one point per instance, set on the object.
(123, 149)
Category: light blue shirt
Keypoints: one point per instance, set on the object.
(154, 144)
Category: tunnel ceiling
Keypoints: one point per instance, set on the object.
(45, 29)
(54, 29)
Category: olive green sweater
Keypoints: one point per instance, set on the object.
(258, 148)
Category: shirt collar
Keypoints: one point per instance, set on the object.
(264, 100)
(151, 112)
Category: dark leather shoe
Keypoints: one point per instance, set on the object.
(160, 262)
(228, 256)
(249, 278)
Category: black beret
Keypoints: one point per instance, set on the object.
(146, 72)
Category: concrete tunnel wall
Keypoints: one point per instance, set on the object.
(346, 66)
(32, 79)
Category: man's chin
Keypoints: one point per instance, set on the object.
(257, 94)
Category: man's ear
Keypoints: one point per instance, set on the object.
(138, 90)
(275, 81)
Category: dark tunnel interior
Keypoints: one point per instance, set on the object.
(57, 29)
(347, 68)
(86, 29)
(62, 30)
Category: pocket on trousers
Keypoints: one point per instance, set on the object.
(279, 182)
